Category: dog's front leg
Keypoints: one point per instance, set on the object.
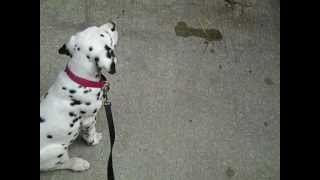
(88, 131)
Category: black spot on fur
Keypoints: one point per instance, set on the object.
(72, 91)
(94, 111)
(75, 102)
(69, 133)
(98, 95)
(60, 155)
(42, 120)
(78, 49)
(86, 91)
(106, 47)
(88, 57)
(90, 48)
(88, 103)
(71, 125)
(72, 114)
(96, 59)
(75, 120)
(113, 26)
(101, 35)
(112, 53)
(108, 55)
(82, 112)
(64, 88)
(49, 136)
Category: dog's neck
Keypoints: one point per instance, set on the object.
(87, 71)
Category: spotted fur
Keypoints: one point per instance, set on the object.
(68, 109)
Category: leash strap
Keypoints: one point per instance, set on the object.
(108, 110)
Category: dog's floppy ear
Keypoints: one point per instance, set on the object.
(112, 29)
(64, 50)
(67, 49)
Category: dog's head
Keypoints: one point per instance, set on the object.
(94, 45)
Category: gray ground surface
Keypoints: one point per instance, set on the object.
(183, 109)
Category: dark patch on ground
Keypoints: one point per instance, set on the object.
(232, 3)
(183, 30)
(122, 14)
(268, 81)
(230, 172)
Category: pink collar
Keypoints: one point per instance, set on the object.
(85, 82)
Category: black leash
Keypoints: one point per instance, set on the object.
(107, 107)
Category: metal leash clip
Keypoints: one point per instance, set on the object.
(105, 91)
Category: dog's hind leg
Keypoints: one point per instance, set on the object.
(56, 156)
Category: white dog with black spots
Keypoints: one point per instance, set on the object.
(69, 109)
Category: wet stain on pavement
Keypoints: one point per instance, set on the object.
(230, 172)
(268, 81)
(183, 30)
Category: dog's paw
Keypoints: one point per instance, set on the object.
(98, 138)
(94, 139)
(79, 164)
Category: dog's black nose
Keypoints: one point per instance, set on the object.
(112, 68)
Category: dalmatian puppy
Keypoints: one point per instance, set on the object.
(70, 106)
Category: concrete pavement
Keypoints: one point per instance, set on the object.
(185, 108)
